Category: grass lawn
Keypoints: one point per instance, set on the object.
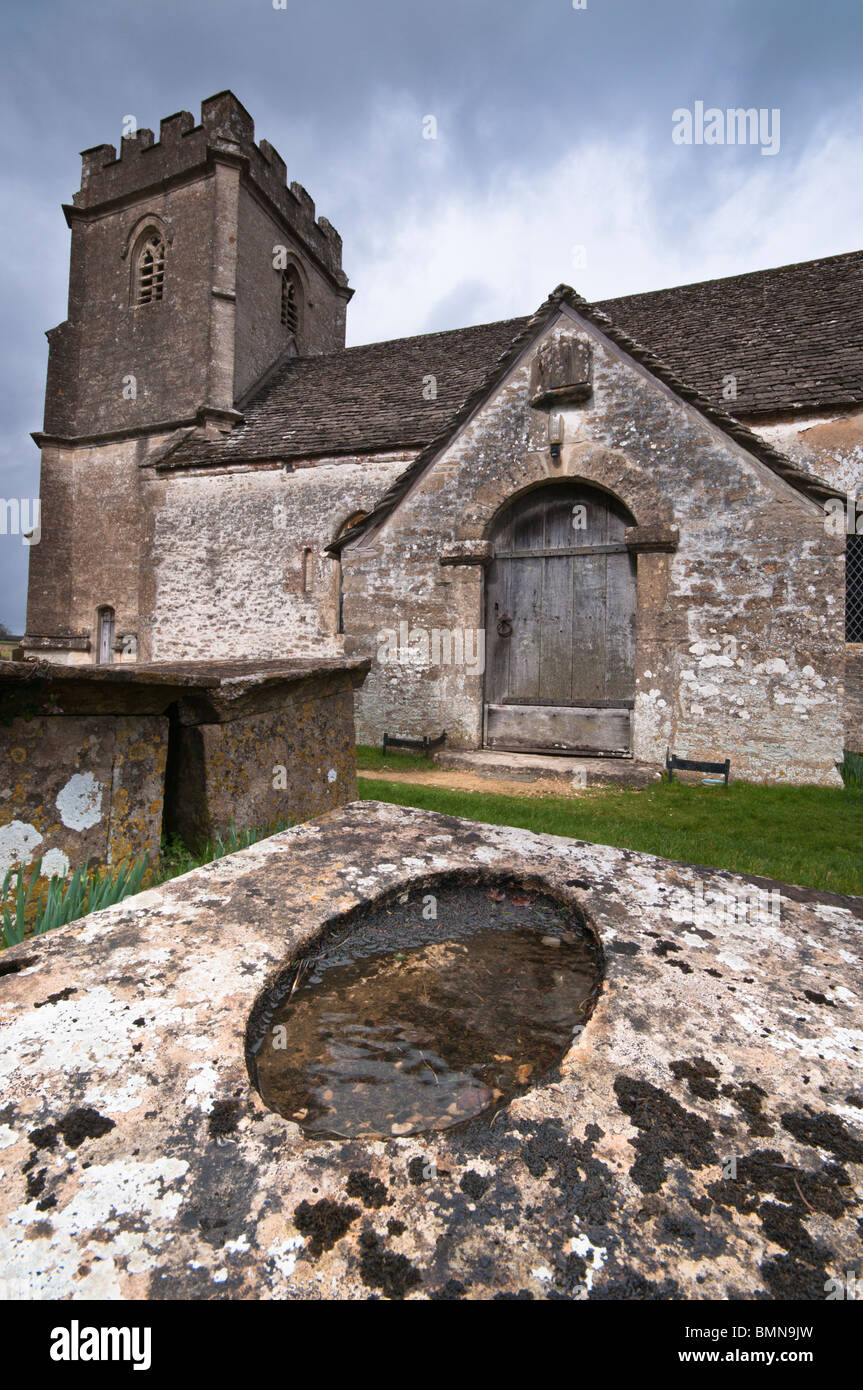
(806, 835)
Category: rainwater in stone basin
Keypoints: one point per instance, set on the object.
(412, 1022)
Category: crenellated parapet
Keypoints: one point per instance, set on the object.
(226, 132)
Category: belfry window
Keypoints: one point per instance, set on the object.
(150, 269)
(290, 302)
(854, 589)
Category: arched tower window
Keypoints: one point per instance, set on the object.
(149, 268)
(290, 302)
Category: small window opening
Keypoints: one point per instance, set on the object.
(150, 270)
(307, 571)
(290, 303)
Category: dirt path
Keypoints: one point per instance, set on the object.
(452, 779)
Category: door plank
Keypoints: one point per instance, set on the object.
(525, 600)
(496, 650)
(554, 551)
(555, 671)
(588, 634)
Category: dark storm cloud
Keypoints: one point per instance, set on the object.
(340, 87)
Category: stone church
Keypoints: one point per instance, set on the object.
(602, 529)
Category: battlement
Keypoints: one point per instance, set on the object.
(226, 130)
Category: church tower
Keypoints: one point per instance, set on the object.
(195, 271)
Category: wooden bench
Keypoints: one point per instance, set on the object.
(418, 745)
(674, 764)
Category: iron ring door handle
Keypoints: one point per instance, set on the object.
(504, 626)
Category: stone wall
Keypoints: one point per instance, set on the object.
(81, 788)
(260, 334)
(854, 697)
(740, 644)
(241, 758)
(830, 445)
(107, 339)
(238, 565)
(96, 519)
(197, 566)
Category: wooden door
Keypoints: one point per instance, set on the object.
(106, 636)
(560, 625)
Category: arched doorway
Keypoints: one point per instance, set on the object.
(560, 624)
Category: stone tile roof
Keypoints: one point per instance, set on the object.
(793, 337)
(360, 400)
(805, 483)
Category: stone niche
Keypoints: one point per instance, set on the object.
(561, 373)
(98, 761)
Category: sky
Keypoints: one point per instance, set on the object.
(551, 156)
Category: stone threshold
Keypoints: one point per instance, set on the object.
(574, 773)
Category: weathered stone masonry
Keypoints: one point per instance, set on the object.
(205, 511)
(241, 558)
(124, 379)
(739, 631)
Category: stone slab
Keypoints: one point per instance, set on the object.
(210, 691)
(703, 1138)
(575, 773)
(290, 762)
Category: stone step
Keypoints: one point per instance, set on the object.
(536, 767)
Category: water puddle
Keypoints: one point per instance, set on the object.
(410, 1023)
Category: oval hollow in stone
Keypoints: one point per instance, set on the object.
(424, 1013)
